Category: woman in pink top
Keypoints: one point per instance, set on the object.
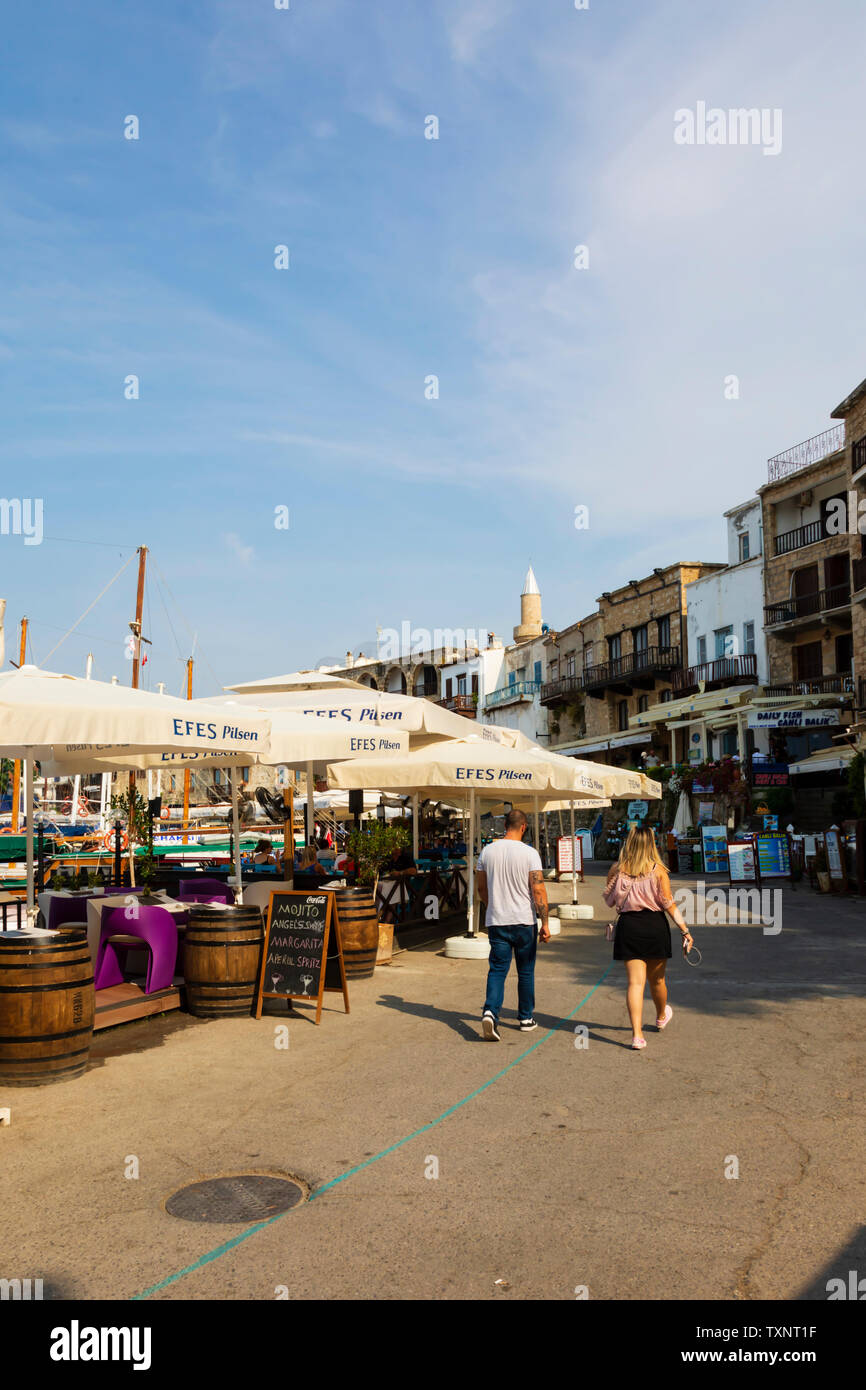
(639, 888)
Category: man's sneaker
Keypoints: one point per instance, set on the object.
(488, 1027)
(527, 1025)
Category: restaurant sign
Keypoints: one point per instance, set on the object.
(794, 718)
(770, 774)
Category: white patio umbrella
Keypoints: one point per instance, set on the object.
(467, 769)
(297, 680)
(683, 817)
(294, 740)
(44, 715)
(424, 719)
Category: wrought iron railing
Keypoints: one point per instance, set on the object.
(809, 534)
(815, 685)
(640, 663)
(726, 668)
(858, 573)
(808, 452)
(461, 704)
(807, 605)
(566, 688)
(520, 690)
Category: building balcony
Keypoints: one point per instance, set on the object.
(861, 694)
(813, 450)
(461, 704)
(800, 608)
(514, 694)
(815, 685)
(727, 670)
(566, 688)
(858, 579)
(809, 534)
(636, 669)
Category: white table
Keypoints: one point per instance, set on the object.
(44, 900)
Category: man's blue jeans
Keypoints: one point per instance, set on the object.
(522, 941)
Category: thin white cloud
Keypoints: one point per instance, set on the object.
(243, 553)
(473, 25)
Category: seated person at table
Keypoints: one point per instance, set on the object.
(264, 853)
(400, 865)
(309, 863)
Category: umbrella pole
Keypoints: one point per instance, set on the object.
(28, 807)
(537, 836)
(470, 861)
(236, 833)
(415, 826)
(311, 809)
(573, 859)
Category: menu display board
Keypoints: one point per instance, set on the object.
(714, 840)
(569, 855)
(774, 858)
(303, 953)
(742, 863)
(835, 857)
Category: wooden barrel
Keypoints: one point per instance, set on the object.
(222, 957)
(46, 1007)
(359, 931)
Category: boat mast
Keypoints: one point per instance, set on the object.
(136, 653)
(16, 771)
(186, 771)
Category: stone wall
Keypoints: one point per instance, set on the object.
(778, 569)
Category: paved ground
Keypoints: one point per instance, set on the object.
(565, 1166)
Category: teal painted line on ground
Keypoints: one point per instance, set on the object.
(232, 1244)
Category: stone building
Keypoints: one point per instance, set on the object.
(852, 412)
(618, 662)
(807, 568)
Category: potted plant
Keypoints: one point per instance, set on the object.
(371, 849)
(130, 808)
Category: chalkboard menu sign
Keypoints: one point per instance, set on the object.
(303, 953)
(774, 859)
(685, 862)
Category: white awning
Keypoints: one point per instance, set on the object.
(619, 740)
(598, 745)
(825, 760)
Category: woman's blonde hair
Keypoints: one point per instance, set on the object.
(639, 855)
(309, 856)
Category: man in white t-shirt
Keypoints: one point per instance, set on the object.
(511, 886)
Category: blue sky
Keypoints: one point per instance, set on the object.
(409, 257)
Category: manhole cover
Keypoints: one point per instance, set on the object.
(245, 1197)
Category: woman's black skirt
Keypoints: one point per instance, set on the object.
(642, 935)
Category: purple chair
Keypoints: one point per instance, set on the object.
(204, 890)
(155, 928)
(64, 910)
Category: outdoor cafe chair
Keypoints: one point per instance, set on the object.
(154, 928)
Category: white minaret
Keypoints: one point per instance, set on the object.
(530, 609)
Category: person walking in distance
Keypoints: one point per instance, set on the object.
(639, 888)
(511, 885)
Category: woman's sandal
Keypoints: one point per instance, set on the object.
(637, 1044)
(665, 1019)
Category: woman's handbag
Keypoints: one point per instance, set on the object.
(610, 931)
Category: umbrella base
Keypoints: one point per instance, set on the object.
(467, 947)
